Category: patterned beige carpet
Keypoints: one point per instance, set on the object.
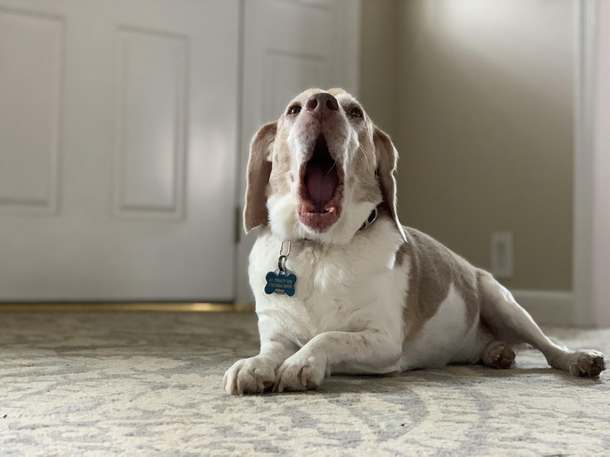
(150, 384)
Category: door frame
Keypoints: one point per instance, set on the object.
(588, 307)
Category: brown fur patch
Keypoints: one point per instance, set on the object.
(433, 269)
(399, 258)
(259, 170)
(387, 160)
(363, 179)
(279, 181)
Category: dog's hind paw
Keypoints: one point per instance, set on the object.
(498, 354)
(588, 364)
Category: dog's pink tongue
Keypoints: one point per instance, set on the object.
(321, 186)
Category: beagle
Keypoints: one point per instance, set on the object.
(341, 285)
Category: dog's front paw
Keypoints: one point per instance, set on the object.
(249, 376)
(587, 364)
(300, 372)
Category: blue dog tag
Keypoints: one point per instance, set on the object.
(280, 282)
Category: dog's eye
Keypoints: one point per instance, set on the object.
(294, 109)
(355, 112)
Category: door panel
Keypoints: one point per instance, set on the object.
(29, 109)
(151, 122)
(117, 149)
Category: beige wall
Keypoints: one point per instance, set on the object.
(380, 40)
(482, 119)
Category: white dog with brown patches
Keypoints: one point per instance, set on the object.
(371, 296)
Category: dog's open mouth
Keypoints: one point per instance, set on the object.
(320, 188)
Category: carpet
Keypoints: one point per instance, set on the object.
(150, 384)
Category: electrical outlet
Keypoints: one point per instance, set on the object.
(502, 254)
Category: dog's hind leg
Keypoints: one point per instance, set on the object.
(507, 321)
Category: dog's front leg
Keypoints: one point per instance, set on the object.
(254, 375)
(306, 369)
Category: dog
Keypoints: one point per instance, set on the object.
(340, 285)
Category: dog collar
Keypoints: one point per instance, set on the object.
(369, 220)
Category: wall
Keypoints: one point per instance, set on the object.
(483, 124)
(379, 64)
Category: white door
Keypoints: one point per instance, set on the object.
(290, 46)
(117, 149)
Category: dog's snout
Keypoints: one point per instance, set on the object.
(322, 104)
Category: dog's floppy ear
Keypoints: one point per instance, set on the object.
(259, 170)
(387, 158)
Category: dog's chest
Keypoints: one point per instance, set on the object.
(324, 291)
(322, 301)
(338, 287)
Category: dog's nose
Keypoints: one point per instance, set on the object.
(322, 104)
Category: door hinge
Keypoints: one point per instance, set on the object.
(237, 233)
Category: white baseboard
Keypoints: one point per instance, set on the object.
(546, 307)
